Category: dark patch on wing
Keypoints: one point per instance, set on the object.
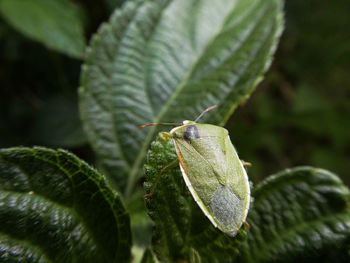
(191, 133)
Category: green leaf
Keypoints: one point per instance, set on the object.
(55, 208)
(169, 60)
(18, 251)
(55, 23)
(299, 215)
(182, 232)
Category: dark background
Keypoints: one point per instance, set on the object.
(299, 115)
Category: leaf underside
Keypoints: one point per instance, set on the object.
(299, 215)
(159, 60)
(55, 208)
(182, 231)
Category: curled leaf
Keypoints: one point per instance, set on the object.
(299, 215)
(55, 208)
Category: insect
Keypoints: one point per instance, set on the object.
(212, 171)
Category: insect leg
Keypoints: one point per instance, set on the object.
(165, 136)
(246, 164)
(164, 169)
(247, 226)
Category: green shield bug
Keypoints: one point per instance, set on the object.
(212, 171)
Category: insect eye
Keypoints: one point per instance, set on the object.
(191, 133)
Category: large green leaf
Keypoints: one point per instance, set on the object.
(159, 60)
(55, 23)
(182, 232)
(55, 208)
(299, 215)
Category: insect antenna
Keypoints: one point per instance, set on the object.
(158, 123)
(204, 112)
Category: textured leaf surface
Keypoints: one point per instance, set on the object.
(55, 23)
(55, 208)
(182, 232)
(159, 60)
(299, 215)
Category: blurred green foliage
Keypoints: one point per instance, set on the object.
(56, 24)
(301, 112)
(299, 115)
